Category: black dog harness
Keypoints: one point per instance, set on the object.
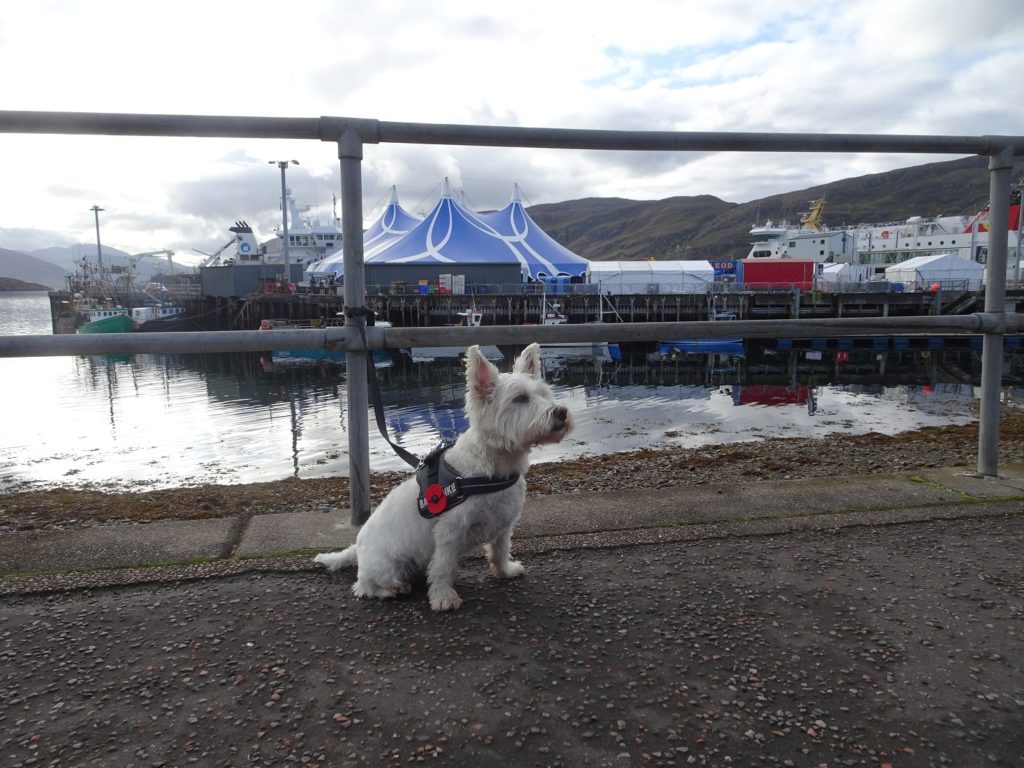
(441, 488)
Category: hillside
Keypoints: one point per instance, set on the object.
(29, 269)
(9, 284)
(705, 227)
(701, 227)
(68, 256)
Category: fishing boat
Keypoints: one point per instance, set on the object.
(116, 320)
(103, 298)
(881, 245)
(159, 317)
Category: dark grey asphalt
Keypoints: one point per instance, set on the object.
(882, 635)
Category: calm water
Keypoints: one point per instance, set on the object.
(160, 421)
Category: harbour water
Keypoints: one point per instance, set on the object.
(155, 421)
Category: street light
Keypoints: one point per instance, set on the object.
(99, 251)
(283, 165)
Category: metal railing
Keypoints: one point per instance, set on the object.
(351, 134)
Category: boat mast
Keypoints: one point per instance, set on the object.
(99, 251)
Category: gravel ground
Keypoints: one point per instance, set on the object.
(899, 646)
(775, 459)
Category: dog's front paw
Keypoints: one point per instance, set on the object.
(445, 600)
(511, 569)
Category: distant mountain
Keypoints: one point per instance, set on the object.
(29, 269)
(701, 227)
(68, 257)
(10, 284)
(49, 266)
(704, 227)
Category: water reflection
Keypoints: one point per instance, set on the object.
(159, 421)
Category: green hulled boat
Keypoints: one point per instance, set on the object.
(111, 324)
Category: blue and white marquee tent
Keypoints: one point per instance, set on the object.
(393, 223)
(452, 235)
(547, 257)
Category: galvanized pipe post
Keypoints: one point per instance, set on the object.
(350, 153)
(1000, 167)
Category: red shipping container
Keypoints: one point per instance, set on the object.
(778, 273)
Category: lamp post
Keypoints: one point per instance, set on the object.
(283, 165)
(99, 251)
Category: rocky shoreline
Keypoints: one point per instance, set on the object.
(772, 459)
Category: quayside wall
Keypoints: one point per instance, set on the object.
(222, 313)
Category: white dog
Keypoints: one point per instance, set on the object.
(474, 496)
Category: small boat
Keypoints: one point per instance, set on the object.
(672, 349)
(118, 322)
(381, 358)
(159, 317)
(731, 345)
(313, 356)
(600, 351)
(472, 318)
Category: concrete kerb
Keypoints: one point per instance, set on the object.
(170, 550)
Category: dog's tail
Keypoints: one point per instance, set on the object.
(333, 561)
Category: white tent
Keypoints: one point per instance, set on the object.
(651, 276)
(843, 274)
(949, 271)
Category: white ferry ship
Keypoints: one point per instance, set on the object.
(882, 245)
(309, 240)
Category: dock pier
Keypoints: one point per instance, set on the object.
(219, 313)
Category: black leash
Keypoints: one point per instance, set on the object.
(441, 488)
(371, 377)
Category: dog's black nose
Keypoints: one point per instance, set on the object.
(561, 413)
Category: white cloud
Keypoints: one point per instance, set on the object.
(867, 67)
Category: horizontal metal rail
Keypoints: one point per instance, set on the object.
(350, 134)
(326, 128)
(379, 337)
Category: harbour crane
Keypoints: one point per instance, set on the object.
(135, 258)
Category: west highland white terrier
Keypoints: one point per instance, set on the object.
(471, 494)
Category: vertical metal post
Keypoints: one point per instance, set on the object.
(1000, 167)
(99, 250)
(283, 165)
(284, 224)
(350, 152)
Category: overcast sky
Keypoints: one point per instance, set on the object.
(848, 66)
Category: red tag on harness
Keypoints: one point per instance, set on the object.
(441, 488)
(434, 499)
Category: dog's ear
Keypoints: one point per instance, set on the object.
(481, 375)
(529, 361)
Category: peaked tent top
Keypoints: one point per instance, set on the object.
(451, 234)
(550, 257)
(393, 223)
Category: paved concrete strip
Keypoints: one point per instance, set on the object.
(115, 546)
(829, 523)
(633, 516)
(1009, 483)
(294, 531)
(684, 535)
(588, 512)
